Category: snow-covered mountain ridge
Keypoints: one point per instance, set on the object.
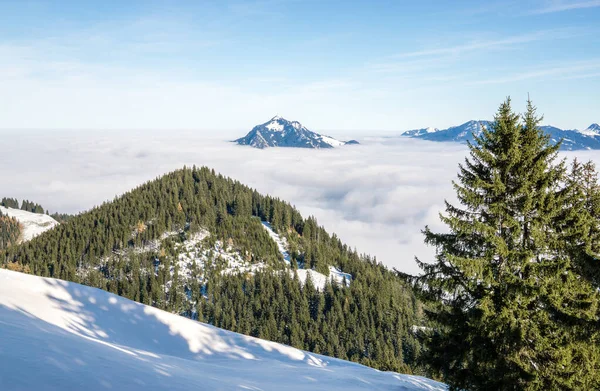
(32, 224)
(573, 139)
(58, 335)
(279, 132)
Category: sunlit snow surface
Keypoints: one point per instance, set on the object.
(33, 223)
(57, 335)
(593, 130)
(331, 141)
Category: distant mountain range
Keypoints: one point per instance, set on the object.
(279, 132)
(573, 139)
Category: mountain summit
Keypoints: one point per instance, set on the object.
(572, 139)
(279, 132)
(592, 130)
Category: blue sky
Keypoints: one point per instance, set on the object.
(333, 65)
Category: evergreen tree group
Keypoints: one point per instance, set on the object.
(26, 205)
(10, 231)
(10, 203)
(513, 293)
(32, 207)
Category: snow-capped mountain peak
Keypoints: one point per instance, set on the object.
(592, 130)
(279, 132)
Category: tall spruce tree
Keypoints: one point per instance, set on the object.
(509, 307)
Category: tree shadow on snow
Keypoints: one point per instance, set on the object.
(90, 339)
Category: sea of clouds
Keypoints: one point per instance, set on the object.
(377, 196)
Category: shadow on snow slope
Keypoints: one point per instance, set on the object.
(56, 335)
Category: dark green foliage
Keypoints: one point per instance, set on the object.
(584, 189)
(10, 203)
(369, 322)
(506, 294)
(32, 207)
(61, 217)
(10, 231)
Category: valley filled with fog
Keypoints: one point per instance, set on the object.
(376, 196)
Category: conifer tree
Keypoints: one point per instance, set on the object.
(509, 307)
(584, 189)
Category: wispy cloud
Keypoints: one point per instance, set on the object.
(497, 7)
(437, 63)
(560, 6)
(478, 45)
(571, 71)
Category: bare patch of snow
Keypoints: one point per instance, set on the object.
(194, 252)
(281, 242)
(331, 141)
(319, 279)
(274, 126)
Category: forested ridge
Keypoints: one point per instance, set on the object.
(131, 246)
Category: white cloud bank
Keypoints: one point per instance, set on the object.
(376, 197)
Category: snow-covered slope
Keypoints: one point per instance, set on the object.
(420, 132)
(279, 132)
(33, 223)
(57, 335)
(593, 130)
(572, 139)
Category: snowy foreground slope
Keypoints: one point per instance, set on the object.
(33, 223)
(56, 335)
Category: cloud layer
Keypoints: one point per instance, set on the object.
(376, 197)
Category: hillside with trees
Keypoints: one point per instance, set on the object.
(171, 243)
